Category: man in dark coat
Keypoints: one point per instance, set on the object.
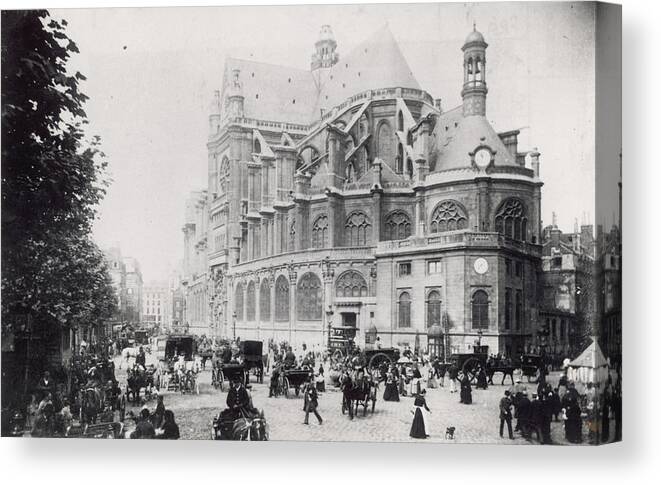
(548, 407)
(523, 414)
(290, 359)
(275, 377)
(453, 372)
(312, 401)
(506, 414)
(238, 402)
(536, 417)
(140, 359)
(466, 395)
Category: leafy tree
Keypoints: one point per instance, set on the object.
(52, 179)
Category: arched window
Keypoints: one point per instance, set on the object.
(265, 301)
(470, 68)
(358, 229)
(250, 302)
(282, 299)
(409, 138)
(257, 147)
(351, 172)
(309, 297)
(433, 308)
(397, 225)
(320, 232)
(238, 301)
(448, 216)
(409, 168)
(350, 284)
(400, 121)
(404, 310)
(480, 310)
(400, 158)
(511, 219)
(385, 142)
(223, 176)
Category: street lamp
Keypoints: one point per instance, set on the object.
(479, 337)
(329, 317)
(234, 325)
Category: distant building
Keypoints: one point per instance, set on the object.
(127, 282)
(156, 305)
(609, 302)
(194, 278)
(567, 303)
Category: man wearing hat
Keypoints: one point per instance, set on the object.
(238, 401)
(506, 414)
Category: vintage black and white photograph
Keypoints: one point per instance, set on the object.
(371, 223)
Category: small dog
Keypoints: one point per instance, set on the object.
(449, 433)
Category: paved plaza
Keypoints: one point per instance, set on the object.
(390, 422)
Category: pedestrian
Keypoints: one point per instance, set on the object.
(143, 429)
(453, 373)
(431, 378)
(169, 430)
(481, 378)
(506, 414)
(535, 421)
(419, 426)
(547, 414)
(390, 392)
(312, 402)
(523, 414)
(466, 395)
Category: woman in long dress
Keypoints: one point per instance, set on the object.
(391, 393)
(466, 394)
(419, 426)
(431, 378)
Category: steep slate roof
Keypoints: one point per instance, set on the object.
(284, 93)
(376, 63)
(462, 136)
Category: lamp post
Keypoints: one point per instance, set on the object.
(329, 318)
(479, 338)
(234, 325)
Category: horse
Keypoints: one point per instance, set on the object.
(505, 368)
(136, 379)
(357, 392)
(91, 402)
(127, 353)
(245, 429)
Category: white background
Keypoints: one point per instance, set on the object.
(636, 460)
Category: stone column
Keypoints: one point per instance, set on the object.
(483, 204)
(293, 275)
(376, 215)
(334, 216)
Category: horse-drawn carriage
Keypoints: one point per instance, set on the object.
(227, 368)
(469, 364)
(293, 380)
(178, 369)
(359, 390)
(139, 378)
(532, 366)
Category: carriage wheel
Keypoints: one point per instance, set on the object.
(376, 360)
(337, 355)
(286, 387)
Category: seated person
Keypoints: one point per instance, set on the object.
(144, 429)
(290, 359)
(239, 403)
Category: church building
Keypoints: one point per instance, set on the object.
(343, 202)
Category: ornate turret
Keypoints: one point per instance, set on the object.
(325, 55)
(235, 94)
(475, 90)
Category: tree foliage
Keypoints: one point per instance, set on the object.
(52, 179)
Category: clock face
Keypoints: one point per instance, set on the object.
(481, 266)
(482, 157)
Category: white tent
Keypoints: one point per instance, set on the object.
(590, 366)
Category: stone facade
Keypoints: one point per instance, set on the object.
(344, 198)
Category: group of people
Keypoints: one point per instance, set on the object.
(157, 425)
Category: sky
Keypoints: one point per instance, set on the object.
(152, 72)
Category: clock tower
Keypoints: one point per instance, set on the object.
(474, 92)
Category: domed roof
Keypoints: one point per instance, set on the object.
(475, 36)
(434, 331)
(326, 34)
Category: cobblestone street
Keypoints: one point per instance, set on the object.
(391, 421)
